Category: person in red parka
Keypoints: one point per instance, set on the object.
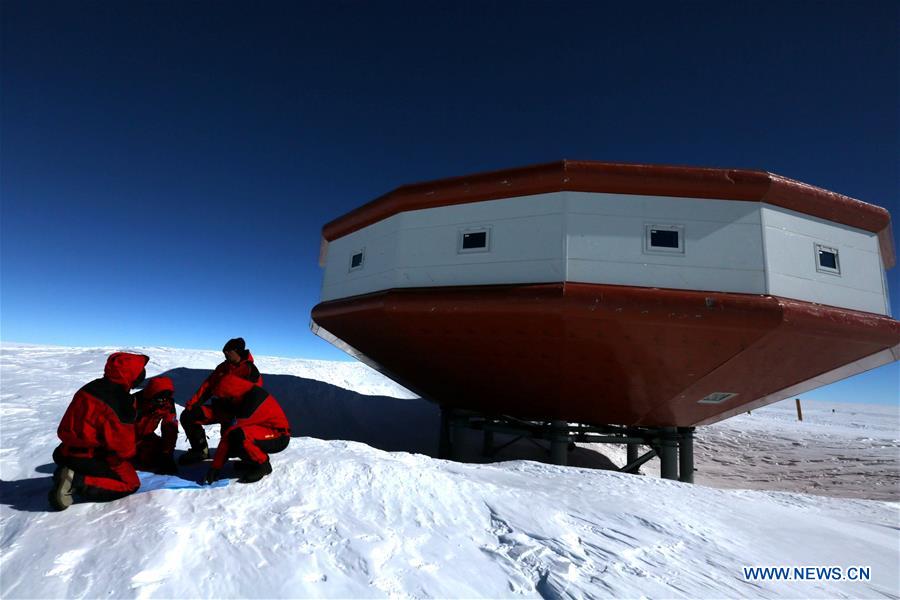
(203, 408)
(259, 428)
(156, 408)
(97, 434)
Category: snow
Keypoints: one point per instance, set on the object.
(346, 519)
(852, 452)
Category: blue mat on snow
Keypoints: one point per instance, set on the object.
(152, 481)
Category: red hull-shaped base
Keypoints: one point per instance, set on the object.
(603, 354)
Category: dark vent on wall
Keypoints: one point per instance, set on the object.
(717, 398)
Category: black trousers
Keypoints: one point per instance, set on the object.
(193, 420)
(93, 466)
(236, 439)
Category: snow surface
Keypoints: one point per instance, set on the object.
(343, 518)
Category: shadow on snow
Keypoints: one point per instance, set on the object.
(325, 411)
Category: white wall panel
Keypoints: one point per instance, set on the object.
(529, 271)
(533, 238)
(663, 207)
(722, 246)
(486, 212)
(667, 276)
(378, 272)
(420, 248)
(791, 239)
(802, 289)
(706, 244)
(729, 246)
(801, 224)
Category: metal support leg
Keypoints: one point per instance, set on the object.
(487, 448)
(456, 423)
(686, 454)
(444, 439)
(633, 466)
(632, 450)
(559, 443)
(668, 454)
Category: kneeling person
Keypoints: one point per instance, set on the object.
(204, 409)
(259, 428)
(97, 434)
(156, 408)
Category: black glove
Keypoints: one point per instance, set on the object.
(211, 476)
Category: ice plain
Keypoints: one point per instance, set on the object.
(356, 507)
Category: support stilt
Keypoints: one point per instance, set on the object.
(668, 453)
(456, 422)
(633, 465)
(632, 453)
(487, 448)
(444, 439)
(673, 445)
(686, 454)
(559, 443)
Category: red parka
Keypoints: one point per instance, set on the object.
(244, 369)
(251, 406)
(100, 418)
(151, 412)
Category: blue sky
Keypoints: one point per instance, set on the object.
(166, 167)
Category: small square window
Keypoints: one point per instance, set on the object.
(474, 240)
(357, 260)
(471, 241)
(827, 260)
(663, 239)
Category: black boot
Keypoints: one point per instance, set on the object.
(194, 455)
(199, 449)
(60, 495)
(253, 472)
